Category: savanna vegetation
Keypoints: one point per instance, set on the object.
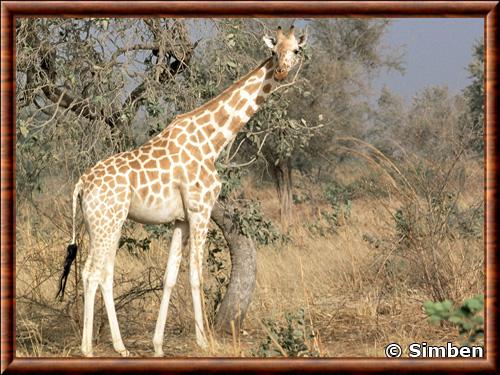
(366, 212)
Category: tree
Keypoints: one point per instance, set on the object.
(388, 116)
(472, 122)
(88, 88)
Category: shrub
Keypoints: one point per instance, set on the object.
(468, 318)
(252, 224)
(294, 339)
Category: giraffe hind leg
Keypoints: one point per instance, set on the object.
(98, 271)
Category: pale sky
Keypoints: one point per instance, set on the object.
(438, 51)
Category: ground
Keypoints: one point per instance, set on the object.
(353, 301)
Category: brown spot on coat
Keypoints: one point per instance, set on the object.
(249, 111)
(110, 169)
(259, 100)
(206, 148)
(241, 104)
(156, 187)
(164, 163)
(173, 148)
(221, 116)
(134, 165)
(181, 139)
(235, 124)
(234, 99)
(153, 175)
(195, 152)
(193, 138)
(252, 88)
(218, 140)
(157, 153)
(204, 175)
(184, 156)
(123, 168)
(209, 129)
(165, 178)
(133, 178)
(203, 119)
(192, 168)
(178, 173)
(267, 88)
(121, 180)
(174, 132)
(201, 136)
(150, 164)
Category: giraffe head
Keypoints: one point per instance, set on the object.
(286, 50)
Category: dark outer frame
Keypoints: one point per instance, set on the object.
(488, 10)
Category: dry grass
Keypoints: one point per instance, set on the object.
(352, 301)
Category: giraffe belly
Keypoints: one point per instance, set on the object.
(160, 211)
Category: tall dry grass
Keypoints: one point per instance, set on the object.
(361, 285)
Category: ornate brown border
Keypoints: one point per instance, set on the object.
(11, 9)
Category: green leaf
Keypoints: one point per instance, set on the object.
(447, 305)
(474, 304)
(455, 319)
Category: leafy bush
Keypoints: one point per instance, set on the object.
(252, 224)
(339, 198)
(218, 268)
(133, 246)
(468, 318)
(292, 340)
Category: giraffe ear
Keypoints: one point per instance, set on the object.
(270, 41)
(302, 40)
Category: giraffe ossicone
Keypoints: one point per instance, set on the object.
(171, 178)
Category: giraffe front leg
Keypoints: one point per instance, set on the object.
(169, 280)
(198, 226)
(109, 302)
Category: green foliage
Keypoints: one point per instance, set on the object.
(293, 338)
(339, 198)
(217, 267)
(252, 224)
(472, 121)
(402, 224)
(230, 179)
(468, 318)
(134, 246)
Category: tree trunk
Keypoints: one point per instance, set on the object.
(283, 175)
(243, 271)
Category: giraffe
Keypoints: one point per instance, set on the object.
(170, 178)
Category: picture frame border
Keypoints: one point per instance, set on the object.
(10, 10)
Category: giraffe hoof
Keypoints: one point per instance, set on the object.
(202, 343)
(124, 353)
(159, 353)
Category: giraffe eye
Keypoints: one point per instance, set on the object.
(296, 51)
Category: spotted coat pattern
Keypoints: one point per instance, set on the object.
(171, 178)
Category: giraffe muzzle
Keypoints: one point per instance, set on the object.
(280, 74)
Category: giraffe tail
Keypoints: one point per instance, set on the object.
(72, 248)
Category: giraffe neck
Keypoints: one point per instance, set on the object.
(225, 115)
